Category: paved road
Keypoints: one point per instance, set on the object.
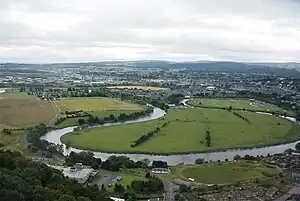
(23, 141)
(169, 188)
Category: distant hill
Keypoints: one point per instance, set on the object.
(223, 66)
(279, 69)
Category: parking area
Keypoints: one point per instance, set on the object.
(105, 178)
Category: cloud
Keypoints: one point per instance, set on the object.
(95, 30)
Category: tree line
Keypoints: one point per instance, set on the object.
(112, 163)
(145, 137)
(33, 136)
(242, 117)
(92, 120)
(26, 180)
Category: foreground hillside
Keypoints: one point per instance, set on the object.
(25, 180)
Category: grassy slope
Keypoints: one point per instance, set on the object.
(186, 129)
(227, 173)
(12, 142)
(94, 104)
(237, 104)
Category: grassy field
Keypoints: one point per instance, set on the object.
(94, 104)
(139, 87)
(186, 129)
(225, 173)
(18, 109)
(12, 141)
(100, 114)
(238, 104)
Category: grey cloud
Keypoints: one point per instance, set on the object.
(91, 30)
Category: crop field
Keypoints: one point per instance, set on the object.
(225, 173)
(94, 104)
(139, 87)
(238, 104)
(185, 130)
(18, 109)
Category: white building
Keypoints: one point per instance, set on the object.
(117, 199)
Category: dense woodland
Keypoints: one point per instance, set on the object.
(25, 180)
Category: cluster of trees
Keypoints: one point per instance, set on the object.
(242, 117)
(159, 103)
(113, 163)
(145, 137)
(86, 158)
(7, 131)
(199, 161)
(33, 136)
(25, 180)
(246, 157)
(159, 164)
(92, 120)
(175, 98)
(297, 146)
(152, 185)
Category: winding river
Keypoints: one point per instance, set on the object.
(54, 136)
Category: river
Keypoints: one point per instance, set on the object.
(54, 136)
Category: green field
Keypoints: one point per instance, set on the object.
(100, 114)
(238, 104)
(186, 129)
(94, 104)
(225, 173)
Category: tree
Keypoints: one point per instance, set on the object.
(297, 146)
(119, 188)
(237, 157)
(67, 198)
(208, 138)
(147, 175)
(81, 121)
(230, 108)
(199, 161)
(129, 196)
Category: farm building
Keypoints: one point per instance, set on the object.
(77, 172)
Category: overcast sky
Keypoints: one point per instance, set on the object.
(97, 30)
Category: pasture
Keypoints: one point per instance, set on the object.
(19, 109)
(148, 88)
(238, 104)
(94, 104)
(185, 131)
(224, 173)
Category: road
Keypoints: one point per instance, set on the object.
(169, 188)
(23, 141)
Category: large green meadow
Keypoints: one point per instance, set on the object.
(225, 173)
(239, 104)
(185, 130)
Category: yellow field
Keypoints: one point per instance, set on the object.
(19, 109)
(94, 104)
(139, 87)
